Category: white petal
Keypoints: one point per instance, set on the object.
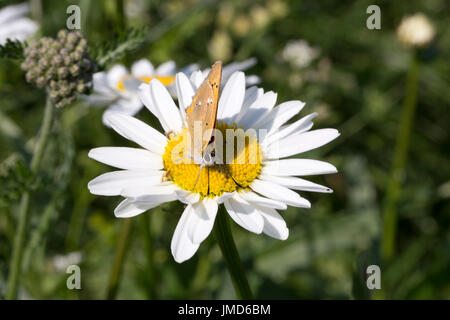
(296, 183)
(146, 98)
(115, 74)
(137, 131)
(274, 224)
(297, 167)
(182, 247)
(237, 66)
(169, 114)
(258, 109)
(203, 220)
(127, 158)
(129, 105)
(12, 12)
(142, 68)
(232, 97)
(279, 115)
(166, 69)
(187, 197)
(196, 78)
(251, 95)
(224, 196)
(299, 143)
(158, 192)
(255, 199)
(299, 126)
(185, 92)
(128, 209)
(277, 192)
(114, 182)
(244, 214)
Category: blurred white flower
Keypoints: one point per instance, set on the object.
(61, 262)
(251, 191)
(117, 89)
(299, 53)
(415, 31)
(14, 25)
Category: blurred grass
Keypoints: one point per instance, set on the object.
(357, 85)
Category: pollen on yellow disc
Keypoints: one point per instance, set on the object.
(235, 174)
(165, 80)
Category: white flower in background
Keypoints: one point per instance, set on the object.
(415, 31)
(117, 89)
(251, 191)
(14, 25)
(299, 53)
(61, 262)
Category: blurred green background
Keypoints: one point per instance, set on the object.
(356, 83)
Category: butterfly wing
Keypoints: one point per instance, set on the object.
(202, 113)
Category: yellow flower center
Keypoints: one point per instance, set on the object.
(216, 179)
(165, 80)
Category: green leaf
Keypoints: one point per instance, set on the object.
(12, 49)
(122, 43)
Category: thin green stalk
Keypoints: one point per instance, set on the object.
(399, 162)
(224, 237)
(38, 235)
(119, 259)
(23, 216)
(148, 251)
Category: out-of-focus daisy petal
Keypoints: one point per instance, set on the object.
(275, 191)
(13, 12)
(166, 69)
(137, 131)
(244, 214)
(182, 247)
(142, 68)
(115, 74)
(229, 69)
(127, 158)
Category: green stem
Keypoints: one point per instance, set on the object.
(148, 248)
(119, 259)
(224, 237)
(23, 217)
(399, 162)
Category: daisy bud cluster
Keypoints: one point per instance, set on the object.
(61, 65)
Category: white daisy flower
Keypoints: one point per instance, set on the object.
(299, 53)
(14, 25)
(416, 31)
(118, 88)
(251, 191)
